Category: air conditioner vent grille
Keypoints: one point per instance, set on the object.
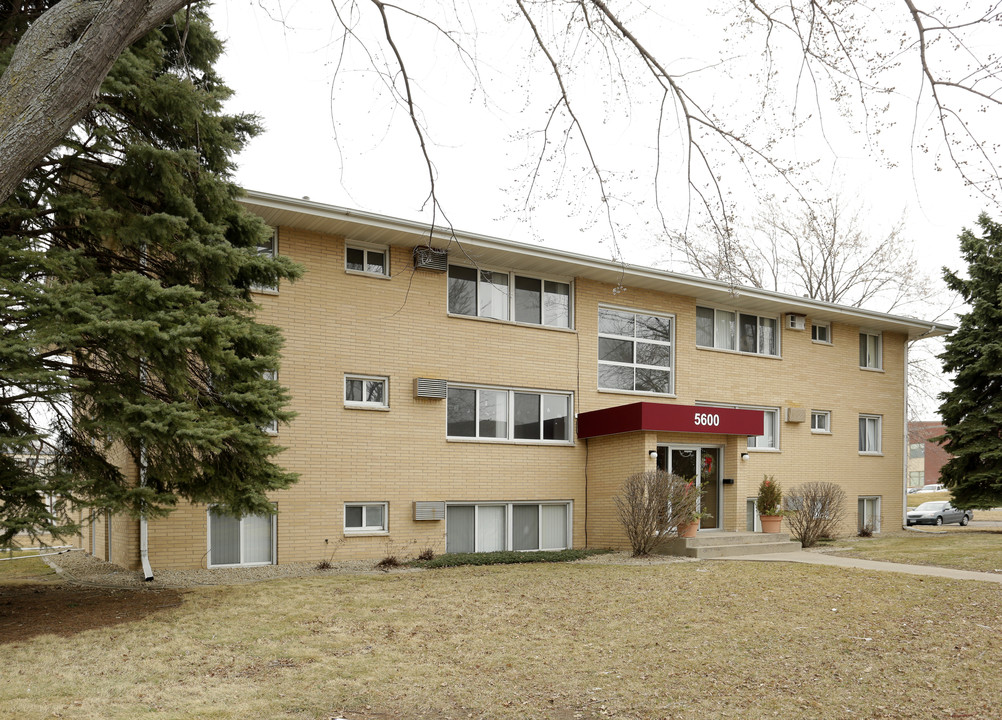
(429, 258)
(431, 388)
(429, 510)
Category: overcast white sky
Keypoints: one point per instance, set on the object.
(348, 145)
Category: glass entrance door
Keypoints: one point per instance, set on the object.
(701, 464)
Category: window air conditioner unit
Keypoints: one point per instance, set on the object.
(429, 258)
(796, 322)
(431, 388)
(429, 510)
(796, 415)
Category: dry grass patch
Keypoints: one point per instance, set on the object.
(946, 546)
(678, 640)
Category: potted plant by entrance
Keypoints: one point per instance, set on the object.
(687, 509)
(770, 504)
(687, 528)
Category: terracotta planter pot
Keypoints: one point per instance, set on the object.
(771, 523)
(688, 530)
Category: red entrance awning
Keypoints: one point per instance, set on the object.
(661, 417)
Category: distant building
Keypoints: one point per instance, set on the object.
(925, 458)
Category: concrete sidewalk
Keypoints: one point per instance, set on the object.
(814, 558)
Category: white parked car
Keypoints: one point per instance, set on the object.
(935, 487)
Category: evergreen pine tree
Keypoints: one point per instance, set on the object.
(972, 409)
(127, 320)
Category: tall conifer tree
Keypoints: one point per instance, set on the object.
(972, 409)
(128, 332)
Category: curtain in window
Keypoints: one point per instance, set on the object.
(556, 304)
(494, 295)
(554, 521)
(525, 527)
(704, 327)
(490, 528)
(257, 539)
(459, 521)
(493, 413)
(224, 534)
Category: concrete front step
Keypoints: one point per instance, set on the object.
(708, 545)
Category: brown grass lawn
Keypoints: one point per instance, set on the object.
(949, 546)
(680, 640)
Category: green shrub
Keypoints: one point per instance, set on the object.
(505, 557)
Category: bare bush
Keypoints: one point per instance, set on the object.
(814, 510)
(651, 505)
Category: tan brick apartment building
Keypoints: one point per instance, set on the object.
(485, 394)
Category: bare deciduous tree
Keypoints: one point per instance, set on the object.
(652, 504)
(825, 251)
(814, 511)
(805, 63)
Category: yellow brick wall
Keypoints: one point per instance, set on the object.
(335, 322)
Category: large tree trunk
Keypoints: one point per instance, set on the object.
(56, 71)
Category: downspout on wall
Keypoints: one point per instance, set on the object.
(904, 459)
(144, 535)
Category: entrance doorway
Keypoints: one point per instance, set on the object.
(702, 464)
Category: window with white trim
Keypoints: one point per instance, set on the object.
(247, 540)
(367, 259)
(821, 421)
(492, 527)
(635, 351)
(870, 350)
(271, 428)
(869, 434)
(769, 439)
(743, 332)
(508, 415)
(267, 248)
(869, 513)
(366, 391)
(821, 332)
(365, 518)
(509, 296)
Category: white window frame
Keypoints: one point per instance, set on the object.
(384, 404)
(827, 423)
(381, 529)
(735, 338)
(764, 408)
(879, 420)
(509, 521)
(271, 252)
(878, 361)
(636, 365)
(208, 538)
(860, 516)
(751, 505)
(510, 422)
(272, 427)
(828, 332)
(367, 248)
(510, 306)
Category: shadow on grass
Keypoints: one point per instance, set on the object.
(29, 610)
